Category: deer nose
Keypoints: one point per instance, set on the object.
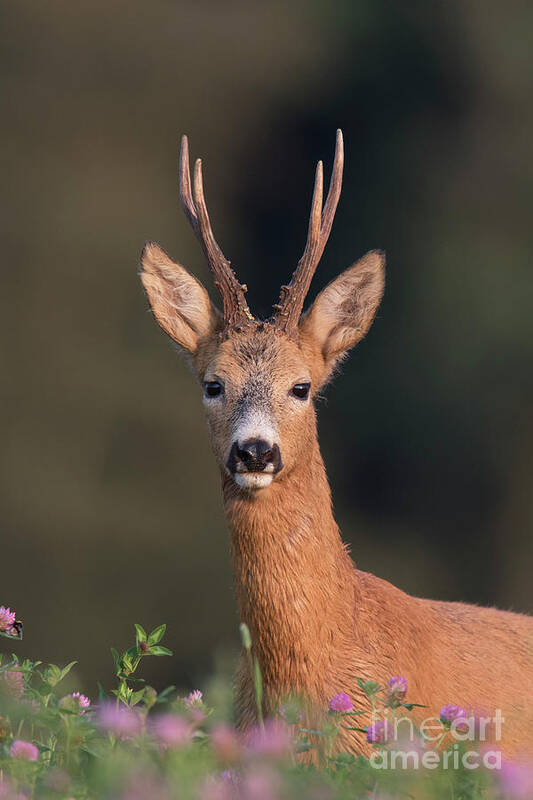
(256, 455)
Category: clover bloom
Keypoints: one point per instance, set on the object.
(171, 730)
(516, 780)
(194, 699)
(8, 792)
(274, 740)
(450, 713)
(195, 706)
(14, 682)
(7, 618)
(225, 743)
(341, 703)
(122, 722)
(260, 783)
(76, 702)
(396, 690)
(23, 750)
(378, 732)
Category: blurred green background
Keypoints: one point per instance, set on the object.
(110, 504)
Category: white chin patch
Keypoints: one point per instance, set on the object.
(253, 480)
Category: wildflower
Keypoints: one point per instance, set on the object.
(122, 722)
(516, 780)
(272, 740)
(261, 783)
(194, 699)
(225, 743)
(341, 703)
(75, 702)
(23, 750)
(172, 731)
(14, 682)
(7, 618)
(195, 706)
(144, 647)
(7, 792)
(378, 732)
(451, 713)
(396, 690)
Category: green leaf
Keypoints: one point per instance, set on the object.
(370, 688)
(136, 697)
(124, 693)
(65, 671)
(141, 633)
(132, 652)
(101, 693)
(97, 749)
(116, 659)
(158, 650)
(303, 747)
(156, 635)
(162, 696)
(52, 674)
(344, 759)
(245, 636)
(258, 683)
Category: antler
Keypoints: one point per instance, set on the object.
(236, 311)
(292, 297)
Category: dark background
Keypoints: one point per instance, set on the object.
(110, 504)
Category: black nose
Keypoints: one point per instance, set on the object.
(255, 454)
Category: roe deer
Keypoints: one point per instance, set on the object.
(316, 621)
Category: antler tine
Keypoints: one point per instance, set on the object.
(293, 296)
(334, 192)
(315, 219)
(236, 311)
(185, 185)
(214, 253)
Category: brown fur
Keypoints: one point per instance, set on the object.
(316, 622)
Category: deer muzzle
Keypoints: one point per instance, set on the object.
(254, 457)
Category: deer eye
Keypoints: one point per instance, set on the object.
(213, 388)
(301, 390)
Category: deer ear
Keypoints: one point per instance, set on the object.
(180, 303)
(343, 312)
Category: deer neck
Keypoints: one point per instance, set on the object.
(294, 580)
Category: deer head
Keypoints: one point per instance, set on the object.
(259, 377)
